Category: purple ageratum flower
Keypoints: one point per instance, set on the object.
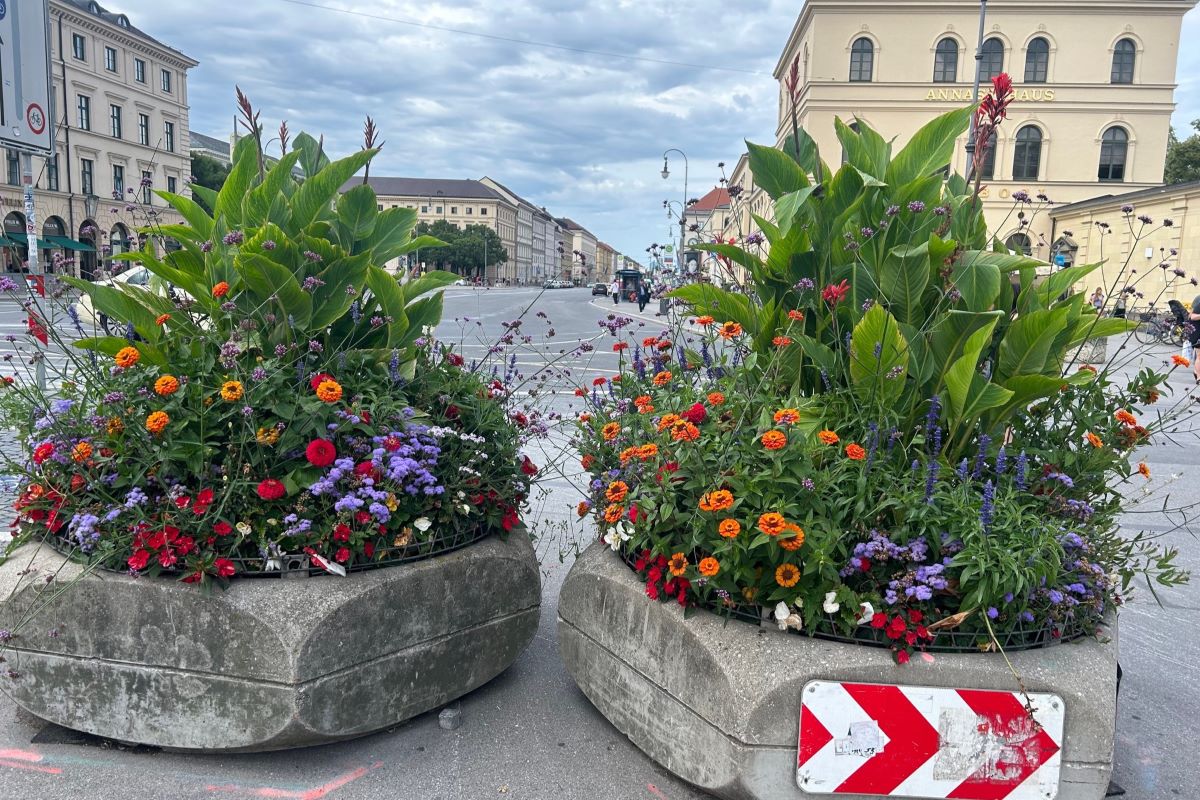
(234, 237)
(993, 612)
(7, 284)
(916, 206)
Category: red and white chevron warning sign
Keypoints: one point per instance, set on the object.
(914, 741)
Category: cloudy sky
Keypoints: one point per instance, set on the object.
(581, 133)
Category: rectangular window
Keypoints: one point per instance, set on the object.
(78, 47)
(166, 81)
(453, 209)
(439, 210)
(139, 70)
(169, 137)
(469, 210)
(52, 174)
(483, 212)
(144, 129)
(114, 114)
(171, 185)
(146, 181)
(87, 174)
(424, 209)
(110, 59)
(85, 112)
(118, 182)
(14, 167)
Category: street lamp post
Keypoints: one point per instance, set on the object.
(666, 173)
(971, 143)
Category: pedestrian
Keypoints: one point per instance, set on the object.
(1097, 300)
(643, 295)
(615, 290)
(1119, 308)
(1193, 338)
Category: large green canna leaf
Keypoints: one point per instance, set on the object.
(971, 394)
(722, 305)
(358, 212)
(390, 297)
(979, 283)
(807, 155)
(266, 279)
(391, 236)
(789, 209)
(953, 329)
(317, 192)
(1089, 326)
(199, 220)
(878, 357)
(258, 204)
(737, 255)
(1045, 293)
(422, 314)
(903, 278)
(1028, 345)
(238, 182)
(865, 150)
(206, 195)
(429, 282)
(1028, 389)
(774, 172)
(332, 301)
(127, 304)
(930, 149)
(111, 345)
(312, 155)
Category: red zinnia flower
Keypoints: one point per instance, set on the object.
(271, 489)
(318, 379)
(696, 414)
(341, 533)
(42, 452)
(320, 452)
(225, 567)
(222, 528)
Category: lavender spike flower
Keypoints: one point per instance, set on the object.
(937, 441)
(935, 412)
(893, 436)
(981, 456)
(825, 380)
(962, 470)
(872, 445)
(987, 509)
(1001, 460)
(931, 479)
(1022, 467)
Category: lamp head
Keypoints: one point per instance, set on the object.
(666, 173)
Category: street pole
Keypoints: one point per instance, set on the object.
(971, 143)
(683, 210)
(35, 268)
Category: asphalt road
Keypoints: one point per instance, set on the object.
(531, 733)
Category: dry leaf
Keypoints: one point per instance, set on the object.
(951, 622)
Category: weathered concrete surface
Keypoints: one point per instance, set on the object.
(717, 703)
(268, 664)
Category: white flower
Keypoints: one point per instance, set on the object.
(466, 509)
(785, 619)
(866, 613)
(243, 528)
(273, 565)
(422, 524)
(617, 535)
(831, 606)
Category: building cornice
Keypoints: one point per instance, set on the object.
(122, 36)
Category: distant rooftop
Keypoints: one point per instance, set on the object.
(427, 187)
(200, 141)
(717, 198)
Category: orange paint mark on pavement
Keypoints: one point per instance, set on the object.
(26, 760)
(315, 793)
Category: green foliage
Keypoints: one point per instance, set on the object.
(469, 250)
(208, 172)
(1183, 157)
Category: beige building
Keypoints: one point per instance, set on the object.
(459, 202)
(121, 126)
(1094, 82)
(200, 144)
(1143, 254)
(518, 270)
(606, 263)
(579, 245)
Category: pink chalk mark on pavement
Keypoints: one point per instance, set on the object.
(654, 790)
(26, 760)
(315, 793)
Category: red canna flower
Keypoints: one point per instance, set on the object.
(835, 294)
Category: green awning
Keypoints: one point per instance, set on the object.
(7, 242)
(69, 244)
(20, 238)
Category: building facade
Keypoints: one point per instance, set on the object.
(120, 109)
(1094, 89)
(543, 247)
(580, 246)
(203, 145)
(606, 262)
(518, 270)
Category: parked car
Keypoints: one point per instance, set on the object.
(89, 318)
(460, 282)
(600, 288)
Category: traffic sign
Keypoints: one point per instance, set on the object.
(25, 97)
(912, 741)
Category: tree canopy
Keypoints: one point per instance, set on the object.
(209, 173)
(1183, 157)
(469, 250)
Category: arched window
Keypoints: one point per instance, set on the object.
(1114, 151)
(1019, 243)
(1027, 157)
(862, 60)
(993, 59)
(945, 61)
(987, 169)
(1037, 61)
(1124, 57)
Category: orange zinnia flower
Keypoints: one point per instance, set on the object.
(667, 421)
(616, 492)
(126, 357)
(796, 316)
(647, 451)
(730, 330)
(1180, 361)
(729, 528)
(585, 417)
(828, 437)
(781, 341)
(787, 416)
(709, 566)
(1126, 418)
(610, 431)
(662, 378)
(793, 543)
(157, 421)
(642, 400)
(774, 440)
(166, 385)
(678, 564)
(115, 426)
(716, 398)
(1094, 440)
(232, 391)
(329, 391)
(718, 500)
(221, 289)
(684, 431)
(787, 575)
(587, 461)
(82, 452)
(1144, 470)
(646, 409)
(854, 452)
(772, 523)
(705, 320)
(613, 513)
(650, 341)
(583, 508)
(627, 454)
(162, 319)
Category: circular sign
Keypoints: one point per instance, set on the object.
(3, 9)
(35, 116)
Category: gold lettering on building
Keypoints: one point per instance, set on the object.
(964, 95)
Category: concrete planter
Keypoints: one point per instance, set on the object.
(268, 664)
(717, 702)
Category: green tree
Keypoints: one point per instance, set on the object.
(440, 257)
(209, 173)
(466, 250)
(1183, 157)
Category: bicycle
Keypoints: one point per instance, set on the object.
(1153, 328)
